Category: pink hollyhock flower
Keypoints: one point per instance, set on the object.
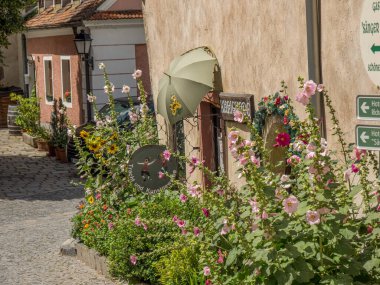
(284, 178)
(196, 231)
(286, 120)
(354, 168)
(347, 174)
(311, 147)
(290, 204)
(264, 215)
(206, 212)
(302, 98)
(137, 221)
(312, 169)
(255, 160)
(137, 74)
(166, 154)
(220, 192)
(184, 232)
(358, 153)
(225, 230)
(313, 217)
(110, 226)
(183, 198)
(234, 152)
(98, 196)
(233, 136)
(326, 170)
(194, 160)
(161, 175)
(220, 257)
(247, 143)
(310, 155)
(243, 160)
(126, 89)
(277, 194)
(320, 87)
(133, 117)
(277, 101)
(309, 88)
(194, 190)
(181, 223)
(298, 146)
(208, 282)
(282, 139)
(206, 271)
(293, 160)
(175, 219)
(369, 229)
(133, 259)
(145, 226)
(286, 98)
(238, 116)
(254, 206)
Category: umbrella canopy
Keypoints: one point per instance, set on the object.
(189, 78)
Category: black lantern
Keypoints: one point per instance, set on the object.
(83, 43)
(83, 46)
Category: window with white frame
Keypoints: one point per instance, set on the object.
(48, 70)
(66, 80)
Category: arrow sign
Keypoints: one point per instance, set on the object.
(368, 137)
(368, 107)
(375, 48)
(363, 137)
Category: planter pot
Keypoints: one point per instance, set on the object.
(60, 154)
(30, 140)
(51, 150)
(42, 145)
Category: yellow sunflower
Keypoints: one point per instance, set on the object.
(114, 136)
(94, 145)
(90, 199)
(113, 149)
(84, 134)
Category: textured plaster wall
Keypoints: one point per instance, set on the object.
(12, 63)
(258, 43)
(343, 70)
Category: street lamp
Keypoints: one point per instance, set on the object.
(83, 45)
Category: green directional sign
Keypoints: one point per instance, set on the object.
(368, 107)
(368, 137)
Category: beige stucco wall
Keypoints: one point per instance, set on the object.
(258, 43)
(12, 67)
(344, 73)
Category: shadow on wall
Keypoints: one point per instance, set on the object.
(37, 178)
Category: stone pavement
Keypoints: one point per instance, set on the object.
(37, 201)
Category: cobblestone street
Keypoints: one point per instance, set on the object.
(37, 201)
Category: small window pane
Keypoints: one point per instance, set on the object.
(66, 81)
(48, 81)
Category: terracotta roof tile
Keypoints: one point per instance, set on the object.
(116, 15)
(70, 15)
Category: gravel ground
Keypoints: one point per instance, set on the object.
(37, 201)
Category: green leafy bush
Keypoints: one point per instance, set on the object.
(28, 116)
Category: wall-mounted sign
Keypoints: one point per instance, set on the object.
(368, 137)
(370, 39)
(368, 107)
(230, 102)
(147, 168)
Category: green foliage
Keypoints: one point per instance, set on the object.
(28, 116)
(181, 266)
(58, 124)
(11, 19)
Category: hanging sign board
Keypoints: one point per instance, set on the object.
(368, 137)
(229, 103)
(147, 166)
(370, 39)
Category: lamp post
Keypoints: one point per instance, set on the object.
(83, 45)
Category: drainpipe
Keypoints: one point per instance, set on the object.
(25, 64)
(313, 25)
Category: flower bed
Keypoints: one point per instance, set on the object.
(303, 227)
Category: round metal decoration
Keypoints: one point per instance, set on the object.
(147, 167)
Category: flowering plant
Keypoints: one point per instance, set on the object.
(308, 227)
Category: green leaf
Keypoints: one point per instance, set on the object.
(371, 264)
(304, 270)
(232, 255)
(347, 233)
